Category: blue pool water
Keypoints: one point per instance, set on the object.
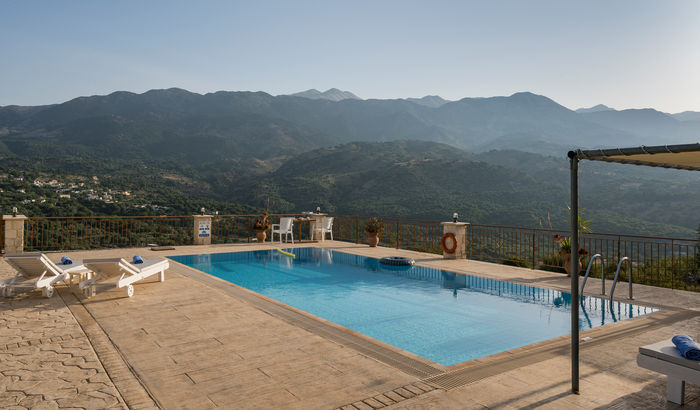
(442, 316)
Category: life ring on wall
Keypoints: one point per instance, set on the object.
(454, 243)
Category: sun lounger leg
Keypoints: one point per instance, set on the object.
(89, 291)
(47, 291)
(675, 390)
(162, 275)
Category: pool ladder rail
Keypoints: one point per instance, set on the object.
(602, 275)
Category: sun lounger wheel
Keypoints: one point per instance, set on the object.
(130, 290)
(47, 291)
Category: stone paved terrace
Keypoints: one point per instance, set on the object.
(197, 342)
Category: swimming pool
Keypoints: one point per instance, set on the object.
(445, 317)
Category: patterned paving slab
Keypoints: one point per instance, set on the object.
(46, 361)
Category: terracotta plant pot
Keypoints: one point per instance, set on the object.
(372, 239)
(567, 264)
(261, 235)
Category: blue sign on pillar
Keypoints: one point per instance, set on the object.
(204, 229)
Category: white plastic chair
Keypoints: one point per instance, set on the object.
(283, 228)
(325, 227)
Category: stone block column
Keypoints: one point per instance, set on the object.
(315, 222)
(202, 229)
(459, 230)
(14, 233)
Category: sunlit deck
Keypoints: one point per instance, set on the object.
(195, 341)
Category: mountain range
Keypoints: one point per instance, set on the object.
(500, 160)
(523, 121)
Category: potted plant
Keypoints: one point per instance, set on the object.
(565, 252)
(373, 226)
(261, 226)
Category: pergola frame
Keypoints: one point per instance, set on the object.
(684, 156)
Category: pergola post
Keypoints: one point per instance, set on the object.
(574, 273)
(681, 156)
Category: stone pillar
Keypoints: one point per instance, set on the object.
(14, 233)
(202, 229)
(315, 222)
(459, 230)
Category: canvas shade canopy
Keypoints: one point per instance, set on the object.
(686, 156)
(682, 156)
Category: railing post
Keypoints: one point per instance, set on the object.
(471, 241)
(673, 265)
(357, 230)
(397, 234)
(533, 249)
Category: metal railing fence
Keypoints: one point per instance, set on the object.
(239, 228)
(423, 236)
(99, 232)
(658, 261)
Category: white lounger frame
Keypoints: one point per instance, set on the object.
(35, 271)
(663, 357)
(128, 273)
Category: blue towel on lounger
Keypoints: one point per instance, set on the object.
(66, 260)
(687, 347)
(137, 259)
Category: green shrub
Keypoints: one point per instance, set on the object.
(552, 263)
(519, 262)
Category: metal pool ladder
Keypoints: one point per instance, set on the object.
(602, 273)
(617, 273)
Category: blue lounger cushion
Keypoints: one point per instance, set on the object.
(687, 347)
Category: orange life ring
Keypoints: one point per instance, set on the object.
(454, 243)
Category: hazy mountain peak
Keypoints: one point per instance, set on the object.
(595, 108)
(433, 101)
(524, 94)
(532, 98)
(332, 94)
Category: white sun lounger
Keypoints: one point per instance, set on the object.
(125, 272)
(36, 271)
(663, 357)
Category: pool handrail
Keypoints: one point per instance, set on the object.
(629, 277)
(602, 273)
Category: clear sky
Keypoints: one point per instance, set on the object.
(625, 54)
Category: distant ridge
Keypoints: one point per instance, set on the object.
(687, 116)
(332, 94)
(597, 108)
(433, 101)
(645, 122)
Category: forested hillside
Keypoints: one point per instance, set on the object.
(174, 151)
